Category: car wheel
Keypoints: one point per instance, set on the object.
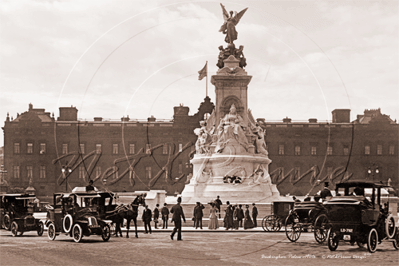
(332, 239)
(372, 240)
(292, 229)
(51, 231)
(40, 228)
(14, 228)
(77, 233)
(321, 228)
(106, 234)
(390, 228)
(7, 222)
(67, 223)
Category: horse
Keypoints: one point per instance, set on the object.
(128, 212)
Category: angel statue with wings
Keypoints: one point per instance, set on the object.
(229, 25)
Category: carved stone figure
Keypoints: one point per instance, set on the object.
(232, 126)
(260, 143)
(238, 53)
(229, 25)
(204, 139)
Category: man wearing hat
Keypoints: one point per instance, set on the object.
(325, 192)
(178, 213)
(198, 214)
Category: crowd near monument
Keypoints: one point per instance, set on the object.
(231, 157)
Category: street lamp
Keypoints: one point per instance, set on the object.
(373, 170)
(66, 170)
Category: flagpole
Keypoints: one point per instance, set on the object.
(206, 78)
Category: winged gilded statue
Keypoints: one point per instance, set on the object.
(230, 22)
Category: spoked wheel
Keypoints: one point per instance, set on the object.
(77, 233)
(390, 228)
(106, 234)
(271, 223)
(396, 240)
(7, 222)
(292, 228)
(14, 228)
(51, 231)
(321, 228)
(372, 240)
(40, 228)
(332, 239)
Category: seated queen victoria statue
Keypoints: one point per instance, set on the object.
(231, 127)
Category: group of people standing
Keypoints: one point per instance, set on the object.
(236, 217)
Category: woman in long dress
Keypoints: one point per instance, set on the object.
(247, 219)
(213, 218)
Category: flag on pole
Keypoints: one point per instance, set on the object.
(203, 72)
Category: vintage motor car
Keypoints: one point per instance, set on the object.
(280, 211)
(16, 214)
(356, 215)
(78, 214)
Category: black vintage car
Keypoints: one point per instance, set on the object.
(78, 214)
(356, 215)
(16, 214)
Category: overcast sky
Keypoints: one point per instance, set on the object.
(141, 58)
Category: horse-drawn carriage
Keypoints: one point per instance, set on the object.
(280, 211)
(356, 218)
(304, 216)
(78, 214)
(16, 214)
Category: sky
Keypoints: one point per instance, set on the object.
(141, 58)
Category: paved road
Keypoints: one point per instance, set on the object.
(197, 248)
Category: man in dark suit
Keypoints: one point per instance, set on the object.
(147, 217)
(229, 216)
(254, 214)
(240, 215)
(178, 213)
(198, 214)
(218, 202)
(156, 216)
(165, 216)
(325, 192)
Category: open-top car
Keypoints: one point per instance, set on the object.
(357, 215)
(78, 214)
(16, 214)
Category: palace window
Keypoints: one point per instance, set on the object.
(29, 148)
(180, 168)
(42, 148)
(64, 148)
(98, 148)
(82, 172)
(17, 148)
(297, 150)
(281, 149)
(131, 148)
(367, 150)
(42, 171)
(329, 150)
(98, 171)
(115, 148)
(297, 172)
(16, 171)
(180, 147)
(313, 150)
(379, 149)
(148, 172)
(329, 170)
(82, 148)
(346, 150)
(392, 150)
(148, 148)
(165, 149)
(29, 171)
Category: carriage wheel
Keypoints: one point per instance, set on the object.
(77, 233)
(106, 232)
(332, 239)
(40, 228)
(7, 222)
(14, 228)
(321, 226)
(51, 231)
(372, 240)
(271, 223)
(390, 227)
(396, 241)
(292, 229)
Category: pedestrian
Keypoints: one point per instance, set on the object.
(254, 214)
(240, 215)
(165, 216)
(247, 219)
(198, 214)
(156, 216)
(178, 214)
(213, 218)
(235, 217)
(147, 219)
(218, 203)
(90, 186)
(229, 216)
(325, 194)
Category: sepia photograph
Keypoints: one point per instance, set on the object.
(168, 132)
